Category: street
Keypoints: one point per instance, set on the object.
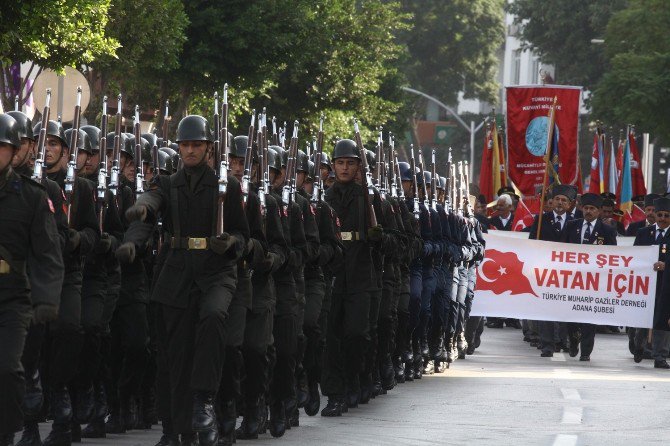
(505, 394)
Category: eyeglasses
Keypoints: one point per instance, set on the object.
(662, 214)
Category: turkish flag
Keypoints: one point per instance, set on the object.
(502, 272)
(637, 215)
(639, 188)
(523, 218)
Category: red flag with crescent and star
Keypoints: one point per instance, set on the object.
(502, 272)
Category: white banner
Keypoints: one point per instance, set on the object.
(538, 280)
(620, 239)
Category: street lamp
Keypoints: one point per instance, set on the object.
(470, 128)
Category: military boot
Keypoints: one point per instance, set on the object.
(248, 430)
(33, 398)
(204, 416)
(333, 407)
(84, 404)
(314, 401)
(30, 435)
(60, 435)
(277, 419)
(227, 419)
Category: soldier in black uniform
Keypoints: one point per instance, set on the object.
(259, 320)
(197, 282)
(28, 240)
(66, 334)
(348, 327)
(31, 353)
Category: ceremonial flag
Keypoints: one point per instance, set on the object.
(527, 128)
(523, 217)
(496, 182)
(625, 196)
(637, 177)
(501, 151)
(637, 214)
(597, 183)
(485, 174)
(612, 176)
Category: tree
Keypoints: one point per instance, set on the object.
(636, 87)
(561, 33)
(452, 47)
(51, 34)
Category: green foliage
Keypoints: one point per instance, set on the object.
(452, 47)
(55, 33)
(560, 32)
(636, 88)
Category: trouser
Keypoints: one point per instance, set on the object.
(440, 306)
(195, 345)
(92, 308)
(549, 336)
(31, 363)
(104, 376)
(459, 287)
(65, 335)
(15, 318)
(530, 329)
(660, 342)
(427, 291)
(231, 376)
(584, 334)
(386, 320)
(402, 310)
(285, 332)
(314, 296)
(348, 340)
(370, 360)
(130, 339)
(324, 315)
(257, 339)
(414, 307)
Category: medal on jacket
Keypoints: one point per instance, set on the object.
(663, 248)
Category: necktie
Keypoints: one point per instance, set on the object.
(557, 223)
(659, 236)
(587, 233)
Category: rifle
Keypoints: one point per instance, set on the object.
(275, 136)
(282, 136)
(433, 183)
(462, 190)
(139, 165)
(455, 205)
(447, 186)
(393, 162)
(260, 144)
(367, 175)
(467, 204)
(380, 144)
(221, 156)
(102, 168)
(318, 154)
(74, 152)
(116, 154)
(288, 189)
(246, 176)
(263, 165)
(166, 119)
(38, 169)
(16, 103)
(415, 186)
(423, 180)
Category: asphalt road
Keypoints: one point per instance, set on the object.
(505, 394)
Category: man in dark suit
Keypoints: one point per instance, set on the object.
(503, 221)
(656, 234)
(553, 225)
(649, 212)
(589, 230)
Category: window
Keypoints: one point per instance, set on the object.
(535, 70)
(516, 67)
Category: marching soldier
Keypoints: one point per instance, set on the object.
(197, 281)
(29, 241)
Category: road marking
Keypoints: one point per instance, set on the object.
(560, 357)
(572, 415)
(565, 440)
(571, 394)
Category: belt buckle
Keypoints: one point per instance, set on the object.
(347, 236)
(4, 267)
(197, 243)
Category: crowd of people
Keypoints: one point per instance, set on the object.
(590, 219)
(182, 295)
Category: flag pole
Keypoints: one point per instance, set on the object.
(550, 137)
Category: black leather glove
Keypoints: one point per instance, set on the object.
(267, 263)
(137, 212)
(293, 261)
(73, 240)
(375, 233)
(255, 255)
(104, 244)
(222, 243)
(43, 313)
(126, 253)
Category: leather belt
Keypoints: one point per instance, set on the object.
(189, 242)
(350, 236)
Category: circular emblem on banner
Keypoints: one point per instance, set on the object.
(536, 135)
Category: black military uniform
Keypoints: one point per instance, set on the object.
(348, 327)
(28, 241)
(197, 282)
(66, 337)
